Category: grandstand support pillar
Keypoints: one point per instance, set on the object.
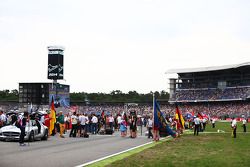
(54, 83)
(172, 87)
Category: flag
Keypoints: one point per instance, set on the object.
(52, 116)
(200, 115)
(159, 120)
(102, 114)
(188, 115)
(206, 116)
(124, 116)
(30, 109)
(179, 116)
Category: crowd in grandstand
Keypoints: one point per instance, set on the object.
(212, 94)
(218, 109)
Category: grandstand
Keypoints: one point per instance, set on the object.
(222, 91)
(210, 84)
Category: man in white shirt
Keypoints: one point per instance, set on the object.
(82, 120)
(196, 125)
(3, 118)
(213, 122)
(119, 120)
(94, 121)
(87, 123)
(150, 126)
(111, 122)
(234, 127)
(74, 120)
(204, 121)
(244, 121)
(67, 121)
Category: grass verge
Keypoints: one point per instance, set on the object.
(207, 149)
(126, 154)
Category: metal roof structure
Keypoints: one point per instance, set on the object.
(205, 69)
(56, 48)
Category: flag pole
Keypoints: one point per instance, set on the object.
(28, 118)
(154, 133)
(153, 107)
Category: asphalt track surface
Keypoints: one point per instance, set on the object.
(68, 152)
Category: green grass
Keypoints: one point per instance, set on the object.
(225, 126)
(124, 155)
(207, 149)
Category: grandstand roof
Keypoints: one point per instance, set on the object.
(204, 69)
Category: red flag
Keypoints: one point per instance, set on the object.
(102, 115)
(200, 115)
(205, 116)
(125, 117)
(193, 113)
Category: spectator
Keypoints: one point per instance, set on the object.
(244, 125)
(119, 120)
(196, 125)
(3, 119)
(123, 128)
(82, 120)
(150, 127)
(111, 122)
(94, 121)
(61, 123)
(74, 121)
(213, 122)
(21, 123)
(234, 127)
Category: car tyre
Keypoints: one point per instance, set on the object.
(31, 136)
(46, 134)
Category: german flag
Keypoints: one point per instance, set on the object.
(52, 116)
(179, 116)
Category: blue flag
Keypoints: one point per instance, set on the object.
(159, 120)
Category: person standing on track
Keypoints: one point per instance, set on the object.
(213, 122)
(3, 119)
(150, 127)
(94, 121)
(196, 125)
(74, 125)
(21, 123)
(244, 121)
(61, 122)
(234, 127)
(111, 122)
(123, 128)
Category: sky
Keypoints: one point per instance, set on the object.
(120, 44)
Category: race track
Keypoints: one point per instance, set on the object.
(65, 152)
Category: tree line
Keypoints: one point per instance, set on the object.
(115, 96)
(118, 96)
(7, 95)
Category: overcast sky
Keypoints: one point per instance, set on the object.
(120, 45)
